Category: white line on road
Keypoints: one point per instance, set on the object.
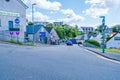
(102, 57)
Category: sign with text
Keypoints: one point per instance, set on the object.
(42, 34)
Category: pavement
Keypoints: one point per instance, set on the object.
(108, 55)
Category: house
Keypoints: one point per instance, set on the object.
(108, 31)
(87, 29)
(53, 37)
(114, 42)
(58, 23)
(98, 37)
(41, 23)
(33, 32)
(12, 20)
(42, 34)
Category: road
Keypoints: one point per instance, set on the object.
(54, 63)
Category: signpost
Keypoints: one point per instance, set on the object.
(17, 33)
(12, 30)
(11, 33)
(17, 22)
(103, 33)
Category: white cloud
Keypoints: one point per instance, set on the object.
(38, 16)
(71, 16)
(45, 4)
(93, 1)
(100, 7)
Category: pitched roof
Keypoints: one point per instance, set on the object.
(112, 36)
(23, 4)
(48, 29)
(32, 29)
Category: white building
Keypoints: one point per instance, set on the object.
(12, 19)
(97, 38)
(114, 42)
(87, 29)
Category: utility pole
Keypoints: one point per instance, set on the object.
(33, 19)
(103, 33)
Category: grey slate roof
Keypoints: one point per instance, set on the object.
(23, 4)
(48, 29)
(32, 29)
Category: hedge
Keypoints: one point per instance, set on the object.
(93, 42)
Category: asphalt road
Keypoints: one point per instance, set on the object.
(54, 63)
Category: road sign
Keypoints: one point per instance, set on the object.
(42, 34)
(11, 33)
(17, 33)
(17, 21)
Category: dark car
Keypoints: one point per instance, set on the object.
(68, 42)
(79, 43)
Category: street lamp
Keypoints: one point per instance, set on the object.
(33, 18)
(103, 33)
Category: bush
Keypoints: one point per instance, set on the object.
(16, 42)
(93, 42)
(20, 43)
(12, 41)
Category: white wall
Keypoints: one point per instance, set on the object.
(15, 7)
(113, 43)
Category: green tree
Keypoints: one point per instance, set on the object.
(99, 28)
(116, 28)
(30, 23)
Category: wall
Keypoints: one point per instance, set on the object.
(113, 43)
(15, 7)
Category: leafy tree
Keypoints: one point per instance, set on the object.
(30, 23)
(99, 28)
(116, 28)
(65, 31)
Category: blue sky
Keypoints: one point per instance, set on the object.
(75, 12)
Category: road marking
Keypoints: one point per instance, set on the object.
(99, 56)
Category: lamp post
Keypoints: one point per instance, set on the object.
(33, 19)
(103, 33)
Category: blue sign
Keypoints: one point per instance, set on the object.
(17, 21)
(103, 21)
(42, 34)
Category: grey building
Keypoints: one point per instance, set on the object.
(58, 23)
(12, 19)
(42, 34)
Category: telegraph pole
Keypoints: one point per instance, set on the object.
(103, 33)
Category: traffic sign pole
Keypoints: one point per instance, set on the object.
(103, 33)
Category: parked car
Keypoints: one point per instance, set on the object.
(68, 42)
(79, 43)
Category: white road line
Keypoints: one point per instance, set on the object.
(102, 57)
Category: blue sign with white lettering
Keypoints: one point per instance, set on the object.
(42, 34)
(17, 21)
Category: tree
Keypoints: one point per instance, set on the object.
(30, 23)
(116, 28)
(99, 28)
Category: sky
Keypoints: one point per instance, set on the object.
(75, 12)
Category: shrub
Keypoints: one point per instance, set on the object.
(12, 41)
(20, 43)
(93, 42)
(16, 42)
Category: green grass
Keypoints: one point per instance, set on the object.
(112, 50)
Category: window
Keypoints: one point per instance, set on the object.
(10, 24)
(0, 23)
(117, 38)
